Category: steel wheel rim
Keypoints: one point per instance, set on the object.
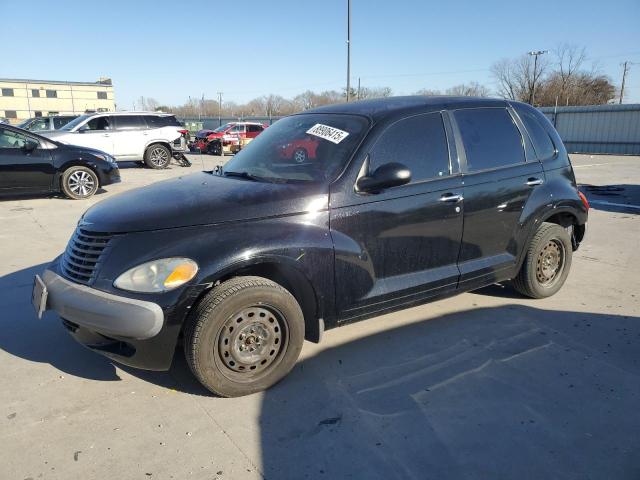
(159, 156)
(81, 183)
(299, 156)
(251, 343)
(550, 263)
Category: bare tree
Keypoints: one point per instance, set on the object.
(517, 77)
(428, 92)
(472, 89)
(567, 65)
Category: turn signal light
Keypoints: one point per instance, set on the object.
(584, 199)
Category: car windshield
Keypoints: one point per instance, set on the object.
(24, 123)
(222, 128)
(69, 126)
(300, 149)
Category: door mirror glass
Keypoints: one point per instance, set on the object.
(386, 176)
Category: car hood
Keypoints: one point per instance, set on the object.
(202, 199)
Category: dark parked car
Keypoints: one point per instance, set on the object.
(408, 199)
(30, 163)
(44, 124)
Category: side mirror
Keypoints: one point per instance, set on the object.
(386, 176)
(30, 145)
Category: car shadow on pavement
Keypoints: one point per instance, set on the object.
(509, 391)
(503, 392)
(46, 341)
(613, 198)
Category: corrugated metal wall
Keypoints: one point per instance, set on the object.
(598, 129)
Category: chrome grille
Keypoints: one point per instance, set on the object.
(83, 254)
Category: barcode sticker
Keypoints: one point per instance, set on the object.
(334, 135)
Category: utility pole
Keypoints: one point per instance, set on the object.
(219, 109)
(358, 88)
(348, 50)
(625, 70)
(536, 54)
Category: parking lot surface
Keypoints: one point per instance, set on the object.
(484, 385)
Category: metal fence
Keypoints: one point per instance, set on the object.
(611, 129)
(194, 124)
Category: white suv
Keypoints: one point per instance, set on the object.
(151, 137)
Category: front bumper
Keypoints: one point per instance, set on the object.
(133, 332)
(109, 178)
(100, 311)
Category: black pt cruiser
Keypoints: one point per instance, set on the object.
(403, 201)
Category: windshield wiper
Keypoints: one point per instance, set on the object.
(246, 175)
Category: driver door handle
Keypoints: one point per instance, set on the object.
(532, 182)
(105, 134)
(451, 198)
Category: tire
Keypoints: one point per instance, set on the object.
(79, 183)
(244, 336)
(300, 155)
(157, 156)
(546, 264)
(214, 148)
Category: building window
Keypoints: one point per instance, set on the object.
(35, 93)
(102, 95)
(7, 92)
(52, 94)
(10, 114)
(37, 114)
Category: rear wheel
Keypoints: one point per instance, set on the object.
(157, 156)
(546, 264)
(244, 336)
(79, 183)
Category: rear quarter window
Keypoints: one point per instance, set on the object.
(490, 137)
(542, 143)
(159, 121)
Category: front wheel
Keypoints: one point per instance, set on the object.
(244, 336)
(300, 155)
(214, 148)
(157, 156)
(79, 183)
(546, 264)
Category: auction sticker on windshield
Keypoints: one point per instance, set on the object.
(334, 135)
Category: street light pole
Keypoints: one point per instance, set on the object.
(625, 70)
(219, 109)
(348, 50)
(535, 69)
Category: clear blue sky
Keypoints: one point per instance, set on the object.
(170, 50)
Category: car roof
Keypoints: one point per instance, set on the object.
(377, 109)
(159, 114)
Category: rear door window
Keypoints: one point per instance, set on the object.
(490, 137)
(130, 122)
(418, 142)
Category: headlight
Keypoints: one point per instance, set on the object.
(106, 157)
(158, 275)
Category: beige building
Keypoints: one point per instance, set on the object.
(23, 98)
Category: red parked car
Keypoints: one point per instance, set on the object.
(228, 134)
(300, 150)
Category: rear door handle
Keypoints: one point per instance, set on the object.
(105, 134)
(532, 182)
(451, 198)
